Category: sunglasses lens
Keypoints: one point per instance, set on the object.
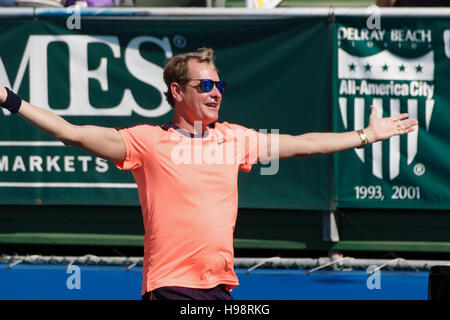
(207, 85)
(221, 86)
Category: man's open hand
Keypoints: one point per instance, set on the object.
(384, 128)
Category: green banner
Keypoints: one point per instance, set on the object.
(108, 71)
(400, 65)
(286, 73)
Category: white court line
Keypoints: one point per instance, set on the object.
(101, 185)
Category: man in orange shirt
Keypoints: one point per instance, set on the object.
(187, 170)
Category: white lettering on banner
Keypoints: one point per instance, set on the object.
(101, 165)
(447, 43)
(36, 163)
(360, 34)
(414, 88)
(400, 35)
(376, 34)
(4, 163)
(52, 164)
(84, 162)
(146, 72)
(18, 164)
(69, 164)
(36, 59)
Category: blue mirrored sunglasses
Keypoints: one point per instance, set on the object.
(206, 85)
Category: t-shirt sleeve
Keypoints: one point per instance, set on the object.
(252, 144)
(138, 144)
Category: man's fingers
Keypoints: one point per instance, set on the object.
(411, 122)
(400, 116)
(373, 112)
(407, 130)
(406, 126)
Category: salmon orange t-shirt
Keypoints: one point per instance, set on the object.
(188, 192)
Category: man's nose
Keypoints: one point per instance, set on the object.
(215, 92)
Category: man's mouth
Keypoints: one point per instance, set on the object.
(211, 105)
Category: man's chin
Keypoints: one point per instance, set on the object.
(210, 119)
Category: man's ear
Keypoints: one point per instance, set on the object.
(177, 91)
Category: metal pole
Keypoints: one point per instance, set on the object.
(330, 229)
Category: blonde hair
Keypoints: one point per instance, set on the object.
(176, 69)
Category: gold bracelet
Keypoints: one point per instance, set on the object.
(363, 137)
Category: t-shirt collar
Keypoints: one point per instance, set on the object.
(185, 133)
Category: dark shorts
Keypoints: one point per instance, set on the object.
(181, 293)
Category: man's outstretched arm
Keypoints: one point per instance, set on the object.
(100, 141)
(329, 142)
